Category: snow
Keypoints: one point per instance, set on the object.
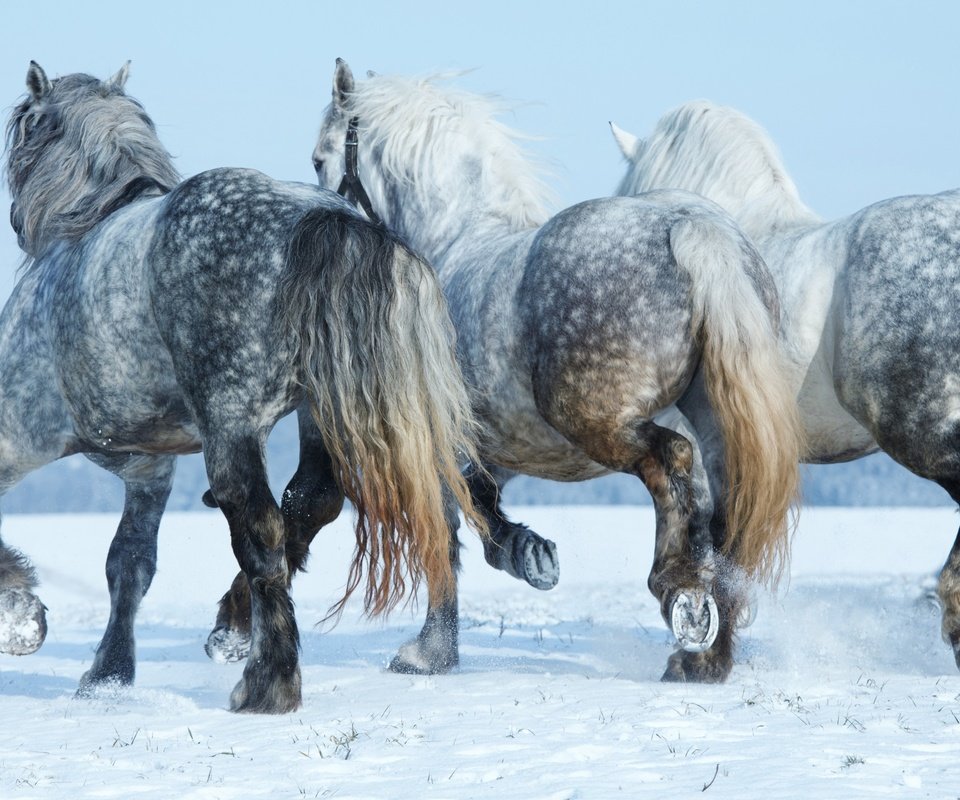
(842, 688)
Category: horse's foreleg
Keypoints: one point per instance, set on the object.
(238, 480)
(131, 562)
(436, 649)
(311, 500)
(511, 547)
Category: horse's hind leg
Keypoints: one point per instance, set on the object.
(664, 461)
(238, 480)
(131, 562)
(511, 547)
(717, 586)
(311, 500)
(698, 609)
(436, 649)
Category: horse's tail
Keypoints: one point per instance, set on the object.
(748, 388)
(376, 353)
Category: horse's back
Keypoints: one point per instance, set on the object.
(232, 212)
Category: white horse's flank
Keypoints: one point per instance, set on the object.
(870, 302)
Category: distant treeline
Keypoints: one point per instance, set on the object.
(75, 484)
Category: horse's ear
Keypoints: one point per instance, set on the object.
(37, 81)
(342, 84)
(371, 73)
(626, 141)
(119, 80)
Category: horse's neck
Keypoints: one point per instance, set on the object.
(733, 166)
(451, 229)
(767, 214)
(761, 210)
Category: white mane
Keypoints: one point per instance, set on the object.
(723, 155)
(425, 131)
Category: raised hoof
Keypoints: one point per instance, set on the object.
(684, 667)
(694, 620)
(23, 622)
(227, 645)
(537, 562)
(413, 660)
(251, 696)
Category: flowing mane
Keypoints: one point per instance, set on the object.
(417, 121)
(76, 154)
(723, 155)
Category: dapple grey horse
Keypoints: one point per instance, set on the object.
(155, 318)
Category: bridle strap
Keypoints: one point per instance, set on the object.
(350, 186)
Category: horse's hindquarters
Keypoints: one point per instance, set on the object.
(608, 330)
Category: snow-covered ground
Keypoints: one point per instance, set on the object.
(843, 687)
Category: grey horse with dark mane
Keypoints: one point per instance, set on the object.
(155, 318)
(601, 339)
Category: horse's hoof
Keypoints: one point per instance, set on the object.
(412, 660)
(684, 667)
(23, 622)
(92, 687)
(537, 562)
(694, 620)
(249, 696)
(227, 645)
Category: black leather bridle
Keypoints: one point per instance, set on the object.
(350, 186)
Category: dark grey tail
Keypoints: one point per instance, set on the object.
(377, 356)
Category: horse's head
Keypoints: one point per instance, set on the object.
(430, 155)
(75, 145)
(329, 155)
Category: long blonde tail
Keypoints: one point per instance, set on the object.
(748, 388)
(377, 356)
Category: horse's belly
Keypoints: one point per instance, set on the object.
(518, 438)
(160, 426)
(833, 434)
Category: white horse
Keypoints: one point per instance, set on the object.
(868, 301)
(576, 332)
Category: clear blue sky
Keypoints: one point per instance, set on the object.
(861, 97)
